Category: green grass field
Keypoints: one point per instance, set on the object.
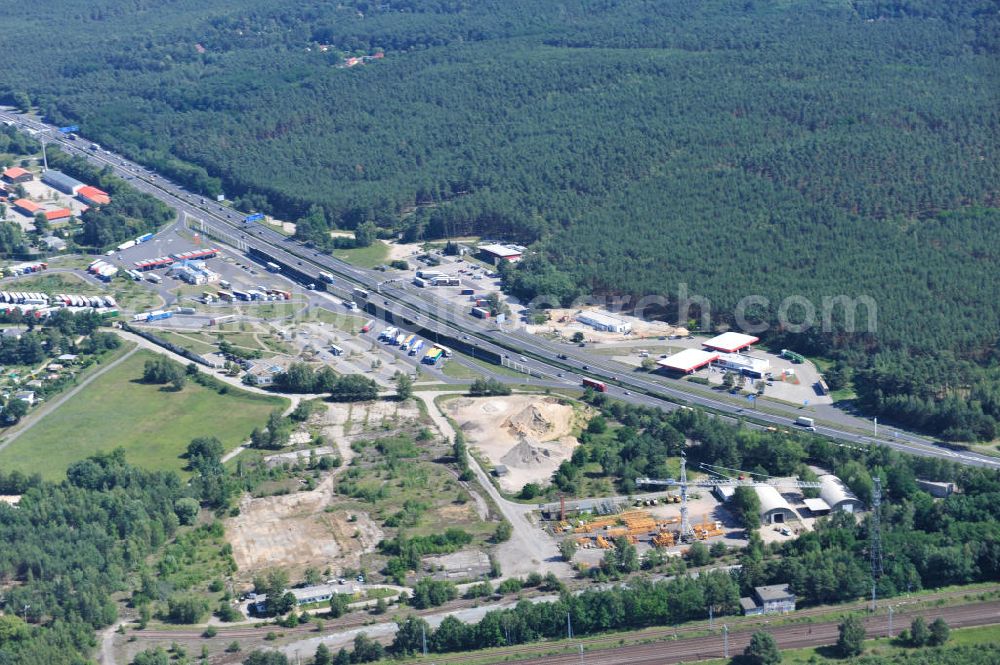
(365, 257)
(153, 426)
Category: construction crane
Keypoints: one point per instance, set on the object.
(686, 530)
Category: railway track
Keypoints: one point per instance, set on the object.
(665, 651)
(660, 633)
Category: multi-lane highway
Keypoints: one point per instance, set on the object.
(558, 365)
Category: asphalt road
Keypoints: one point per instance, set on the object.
(540, 356)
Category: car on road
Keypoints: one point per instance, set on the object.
(627, 392)
(562, 356)
(586, 366)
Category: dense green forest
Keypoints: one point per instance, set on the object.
(68, 546)
(814, 148)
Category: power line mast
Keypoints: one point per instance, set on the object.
(875, 537)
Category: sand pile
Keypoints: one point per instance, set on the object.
(527, 454)
(528, 422)
(529, 434)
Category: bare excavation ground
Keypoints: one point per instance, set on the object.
(563, 323)
(530, 435)
(293, 532)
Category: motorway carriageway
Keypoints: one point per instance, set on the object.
(540, 356)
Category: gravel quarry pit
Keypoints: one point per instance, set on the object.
(293, 532)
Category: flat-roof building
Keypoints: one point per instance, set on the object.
(688, 361)
(497, 253)
(724, 492)
(730, 342)
(308, 595)
(744, 364)
(817, 507)
(836, 495)
(16, 174)
(604, 321)
(773, 507)
(770, 599)
(937, 489)
(62, 182)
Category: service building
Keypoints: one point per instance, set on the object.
(770, 599)
(688, 361)
(603, 321)
(497, 253)
(730, 342)
(62, 182)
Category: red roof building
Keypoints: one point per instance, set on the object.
(58, 214)
(93, 196)
(27, 207)
(16, 174)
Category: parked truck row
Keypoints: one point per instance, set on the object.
(58, 300)
(413, 345)
(103, 270)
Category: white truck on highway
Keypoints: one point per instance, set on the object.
(807, 423)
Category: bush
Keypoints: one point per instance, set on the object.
(186, 510)
(698, 554)
(481, 590)
(529, 491)
(488, 387)
(186, 609)
(228, 613)
(354, 388)
(503, 532)
(161, 370)
(939, 632)
(762, 650)
(851, 641)
(919, 635)
(512, 585)
(431, 593)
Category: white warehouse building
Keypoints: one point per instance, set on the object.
(836, 495)
(604, 322)
(773, 507)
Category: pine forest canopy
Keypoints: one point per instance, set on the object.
(815, 148)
